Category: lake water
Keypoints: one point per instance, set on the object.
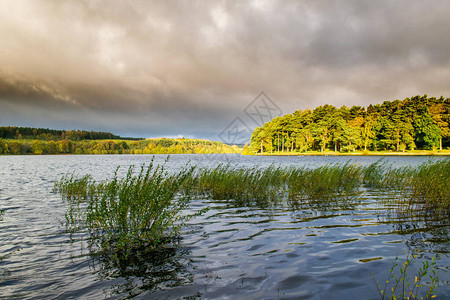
(229, 252)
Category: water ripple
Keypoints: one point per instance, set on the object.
(302, 252)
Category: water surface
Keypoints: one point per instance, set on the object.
(308, 252)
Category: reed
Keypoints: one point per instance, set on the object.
(271, 185)
(402, 286)
(430, 184)
(142, 210)
(242, 185)
(374, 174)
(145, 209)
(421, 187)
(326, 183)
(72, 187)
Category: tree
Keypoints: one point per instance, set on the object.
(3, 147)
(37, 147)
(52, 147)
(427, 133)
(16, 148)
(440, 117)
(367, 131)
(351, 138)
(393, 125)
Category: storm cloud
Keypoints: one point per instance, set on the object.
(167, 68)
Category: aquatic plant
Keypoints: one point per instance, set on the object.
(430, 186)
(381, 175)
(145, 209)
(242, 185)
(263, 186)
(325, 183)
(73, 187)
(399, 284)
(142, 210)
(419, 189)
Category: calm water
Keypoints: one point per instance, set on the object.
(229, 252)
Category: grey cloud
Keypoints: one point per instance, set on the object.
(151, 68)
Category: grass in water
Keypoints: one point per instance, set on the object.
(145, 209)
(326, 183)
(142, 210)
(265, 186)
(242, 185)
(430, 184)
(399, 285)
(423, 189)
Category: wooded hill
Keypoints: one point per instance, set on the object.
(25, 140)
(419, 122)
(45, 134)
(147, 146)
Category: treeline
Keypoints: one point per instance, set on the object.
(419, 122)
(45, 134)
(148, 146)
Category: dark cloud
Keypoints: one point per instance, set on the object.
(154, 68)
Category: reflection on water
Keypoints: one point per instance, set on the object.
(144, 270)
(294, 249)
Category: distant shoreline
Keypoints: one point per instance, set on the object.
(358, 153)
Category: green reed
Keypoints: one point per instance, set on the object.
(400, 285)
(142, 210)
(325, 183)
(382, 175)
(243, 185)
(75, 188)
(145, 209)
(430, 186)
(421, 187)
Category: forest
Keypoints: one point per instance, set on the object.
(417, 123)
(24, 140)
(45, 134)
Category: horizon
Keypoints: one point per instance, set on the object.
(206, 69)
(239, 143)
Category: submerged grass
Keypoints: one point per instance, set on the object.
(142, 210)
(326, 183)
(265, 186)
(399, 285)
(430, 185)
(145, 209)
(244, 186)
(423, 189)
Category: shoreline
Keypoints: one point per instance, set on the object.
(331, 153)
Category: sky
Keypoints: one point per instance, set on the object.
(201, 68)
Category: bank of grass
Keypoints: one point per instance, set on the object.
(145, 209)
